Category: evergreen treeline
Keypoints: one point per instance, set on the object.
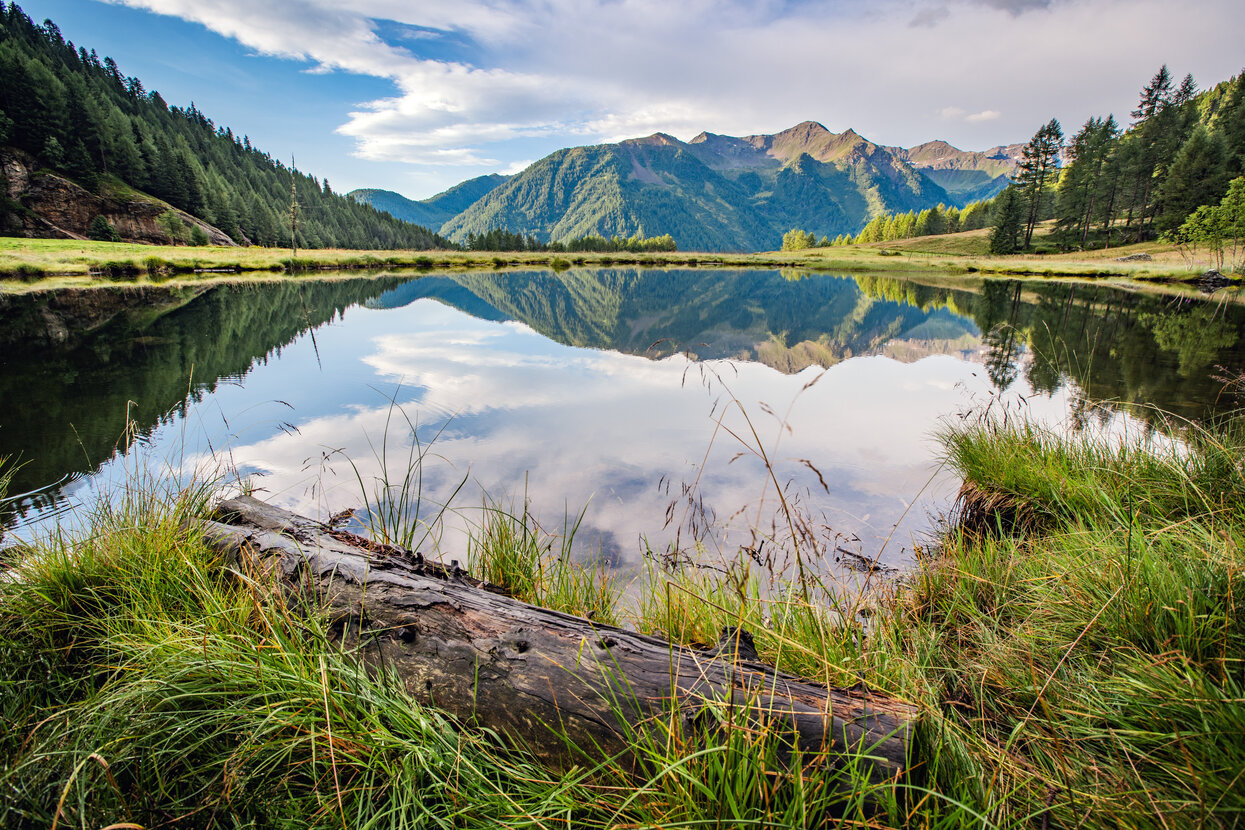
(80, 117)
(1115, 186)
(503, 240)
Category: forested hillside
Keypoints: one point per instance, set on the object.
(715, 192)
(1169, 174)
(80, 118)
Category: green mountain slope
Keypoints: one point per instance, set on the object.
(435, 210)
(64, 110)
(716, 193)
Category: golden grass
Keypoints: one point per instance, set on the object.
(41, 264)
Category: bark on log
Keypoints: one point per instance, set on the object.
(565, 687)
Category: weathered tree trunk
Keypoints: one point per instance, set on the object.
(568, 689)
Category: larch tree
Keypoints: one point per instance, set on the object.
(1039, 162)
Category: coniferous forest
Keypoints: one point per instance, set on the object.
(78, 116)
(1170, 174)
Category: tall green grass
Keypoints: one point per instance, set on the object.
(147, 681)
(1077, 655)
(1082, 659)
(512, 551)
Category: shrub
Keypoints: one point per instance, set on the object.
(103, 231)
(173, 227)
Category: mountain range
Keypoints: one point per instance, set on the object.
(713, 193)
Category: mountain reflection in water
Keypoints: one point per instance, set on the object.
(606, 387)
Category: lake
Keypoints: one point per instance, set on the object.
(670, 407)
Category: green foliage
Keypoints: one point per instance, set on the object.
(798, 240)
(81, 118)
(1178, 155)
(198, 236)
(103, 231)
(512, 551)
(1219, 228)
(501, 240)
(1036, 173)
(1083, 189)
(1198, 176)
(933, 221)
(1005, 233)
(176, 690)
(173, 226)
(596, 244)
(1101, 643)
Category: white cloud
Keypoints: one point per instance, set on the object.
(516, 167)
(580, 71)
(984, 115)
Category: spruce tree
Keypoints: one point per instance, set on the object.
(1198, 176)
(1008, 223)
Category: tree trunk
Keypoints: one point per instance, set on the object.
(568, 689)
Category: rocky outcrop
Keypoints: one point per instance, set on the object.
(53, 207)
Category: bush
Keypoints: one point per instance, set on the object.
(103, 231)
(173, 227)
(198, 236)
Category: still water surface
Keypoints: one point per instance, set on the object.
(644, 398)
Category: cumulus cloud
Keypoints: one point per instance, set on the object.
(581, 71)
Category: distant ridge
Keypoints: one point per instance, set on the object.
(966, 175)
(727, 193)
(435, 210)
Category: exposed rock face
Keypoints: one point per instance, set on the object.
(56, 208)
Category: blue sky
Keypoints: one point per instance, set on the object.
(416, 95)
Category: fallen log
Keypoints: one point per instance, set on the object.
(567, 688)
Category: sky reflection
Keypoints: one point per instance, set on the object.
(522, 416)
(516, 417)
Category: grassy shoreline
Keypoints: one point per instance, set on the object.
(39, 264)
(1076, 648)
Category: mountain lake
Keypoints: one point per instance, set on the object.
(662, 410)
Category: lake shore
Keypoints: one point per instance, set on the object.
(41, 264)
(1073, 648)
